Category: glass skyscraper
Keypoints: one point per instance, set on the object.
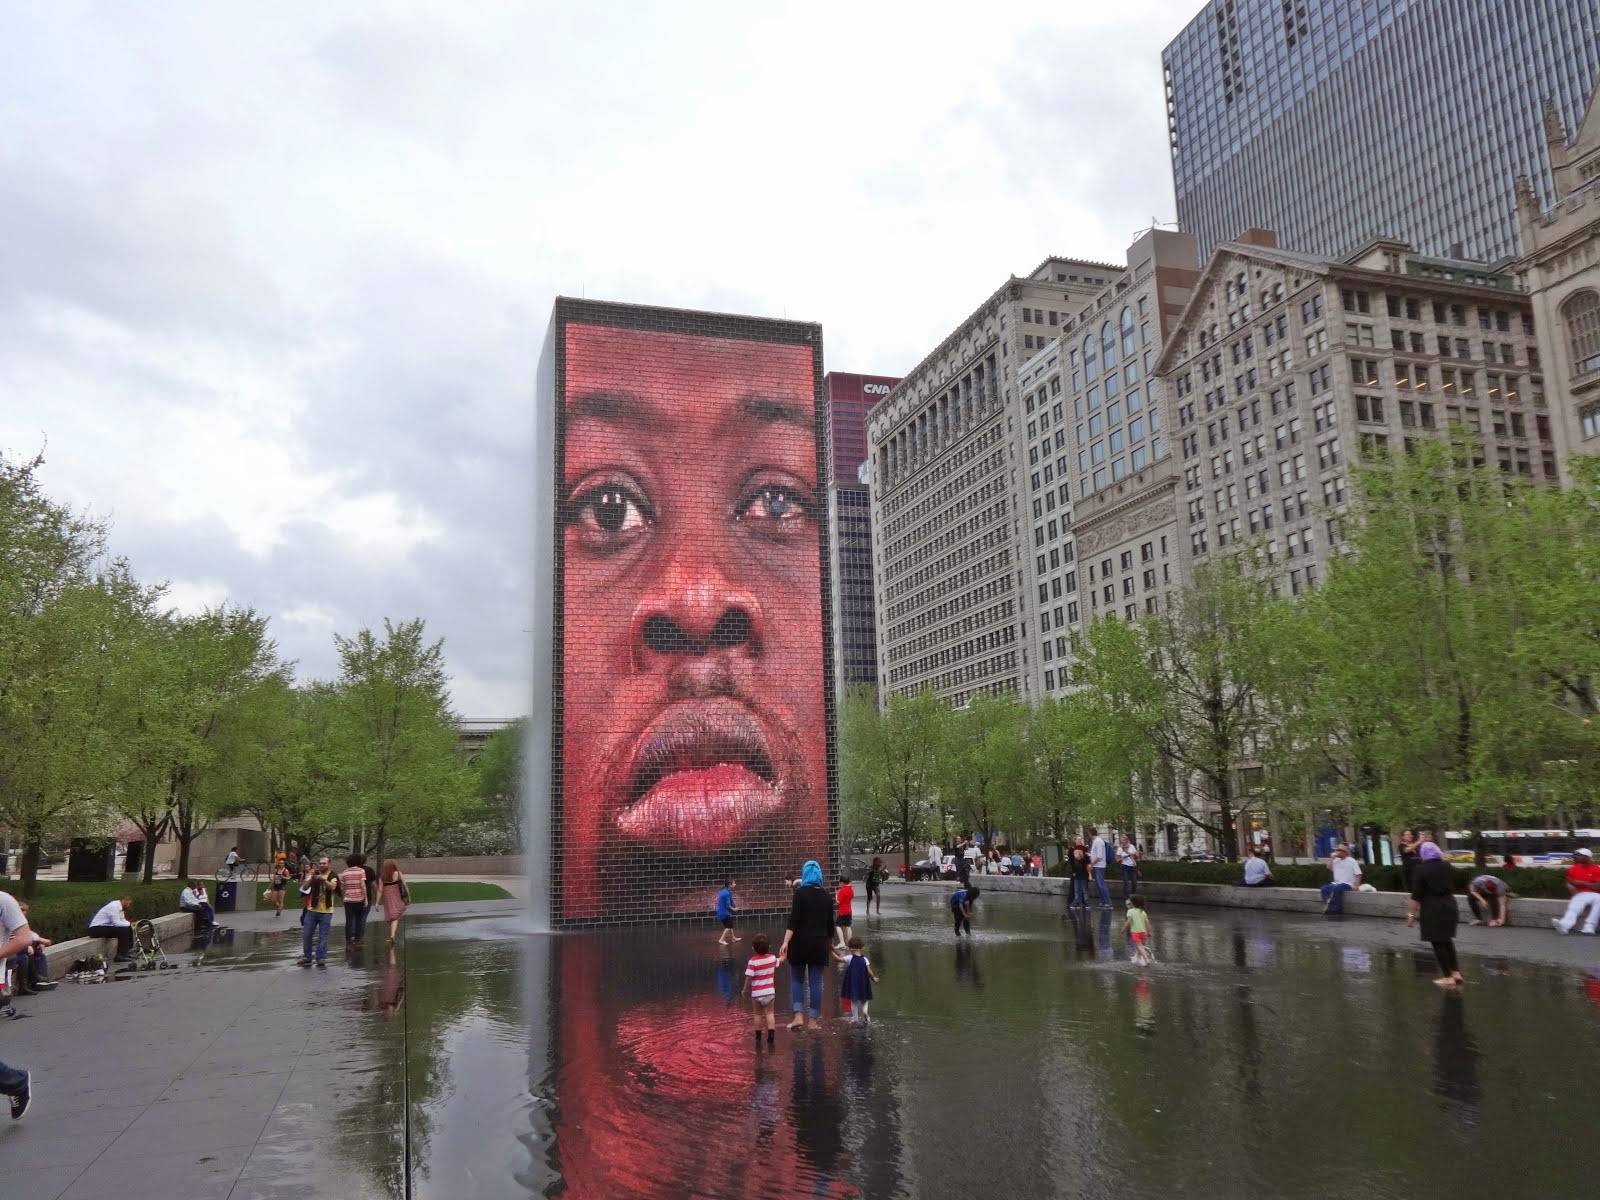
(1336, 121)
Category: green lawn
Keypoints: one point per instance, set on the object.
(444, 892)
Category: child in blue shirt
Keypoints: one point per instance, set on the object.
(725, 907)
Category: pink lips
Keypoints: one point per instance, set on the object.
(701, 807)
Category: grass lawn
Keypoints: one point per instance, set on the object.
(442, 892)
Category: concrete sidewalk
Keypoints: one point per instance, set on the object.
(238, 1076)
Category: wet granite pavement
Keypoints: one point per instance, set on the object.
(1263, 1055)
(238, 1075)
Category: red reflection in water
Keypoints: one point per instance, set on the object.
(668, 1096)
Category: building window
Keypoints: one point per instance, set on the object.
(1582, 316)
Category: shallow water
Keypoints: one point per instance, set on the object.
(1254, 1059)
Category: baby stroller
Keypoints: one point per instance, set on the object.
(147, 952)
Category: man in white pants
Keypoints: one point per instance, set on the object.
(1583, 881)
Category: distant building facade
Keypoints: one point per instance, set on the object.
(1561, 269)
(1335, 122)
(953, 564)
(1287, 368)
(855, 642)
(1111, 420)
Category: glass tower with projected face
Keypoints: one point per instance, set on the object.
(691, 712)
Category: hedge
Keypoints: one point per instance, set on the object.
(60, 910)
(1532, 882)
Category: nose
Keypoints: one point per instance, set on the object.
(694, 621)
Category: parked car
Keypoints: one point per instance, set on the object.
(1204, 856)
(921, 872)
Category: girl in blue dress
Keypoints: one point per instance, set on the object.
(859, 977)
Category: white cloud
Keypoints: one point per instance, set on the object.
(274, 279)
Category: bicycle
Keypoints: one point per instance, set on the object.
(238, 873)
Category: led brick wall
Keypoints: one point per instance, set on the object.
(691, 710)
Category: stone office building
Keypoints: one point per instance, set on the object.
(1286, 368)
(948, 476)
(1560, 267)
(1111, 421)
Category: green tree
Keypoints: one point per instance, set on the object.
(1460, 712)
(887, 759)
(392, 745)
(981, 765)
(227, 677)
(1176, 693)
(498, 770)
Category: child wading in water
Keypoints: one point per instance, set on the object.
(961, 909)
(758, 982)
(1137, 926)
(725, 907)
(856, 986)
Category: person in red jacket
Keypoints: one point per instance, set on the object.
(1583, 882)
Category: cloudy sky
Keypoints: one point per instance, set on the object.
(273, 278)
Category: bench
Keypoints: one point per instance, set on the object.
(62, 955)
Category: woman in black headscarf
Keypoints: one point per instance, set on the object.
(1433, 897)
(807, 944)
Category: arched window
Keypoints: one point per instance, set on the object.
(1127, 333)
(1108, 345)
(1582, 315)
(1091, 370)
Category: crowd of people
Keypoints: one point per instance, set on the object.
(357, 889)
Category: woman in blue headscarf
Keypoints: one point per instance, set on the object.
(807, 943)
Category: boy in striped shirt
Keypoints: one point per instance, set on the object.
(759, 983)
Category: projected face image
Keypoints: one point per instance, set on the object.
(694, 741)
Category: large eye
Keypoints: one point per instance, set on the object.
(777, 509)
(608, 513)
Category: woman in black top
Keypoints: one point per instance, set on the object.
(1078, 866)
(1408, 856)
(1433, 896)
(807, 944)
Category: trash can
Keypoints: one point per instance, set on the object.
(227, 896)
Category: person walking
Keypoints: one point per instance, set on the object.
(726, 906)
(807, 945)
(844, 908)
(875, 877)
(1136, 927)
(1128, 860)
(277, 885)
(15, 936)
(396, 896)
(1097, 864)
(353, 890)
(1433, 898)
(1078, 872)
(320, 889)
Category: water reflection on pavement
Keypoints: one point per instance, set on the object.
(1250, 1060)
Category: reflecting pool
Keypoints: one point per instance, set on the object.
(1255, 1058)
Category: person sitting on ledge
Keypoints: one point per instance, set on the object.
(1256, 871)
(193, 899)
(30, 968)
(1346, 875)
(112, 922)
(1583, 884)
